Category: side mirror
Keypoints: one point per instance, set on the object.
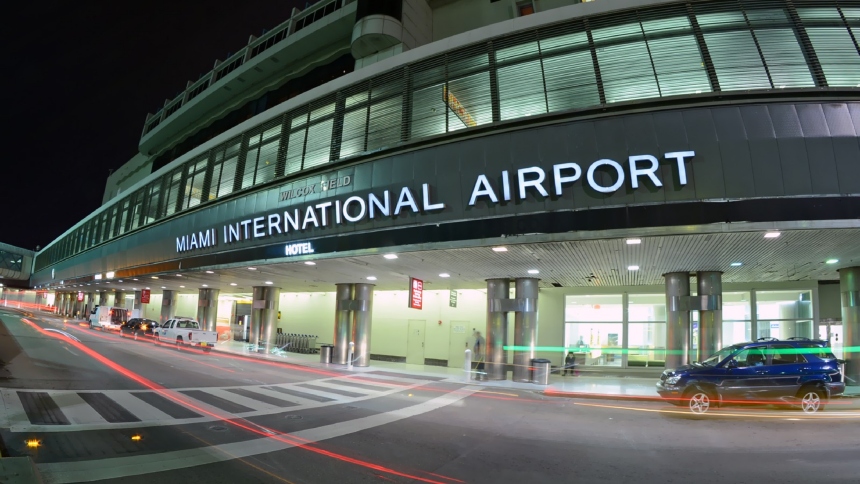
(732, 364)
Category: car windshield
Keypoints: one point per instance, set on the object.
(721, 355)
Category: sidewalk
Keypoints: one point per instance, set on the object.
(593, 385)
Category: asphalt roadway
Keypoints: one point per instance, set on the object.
(116, 410)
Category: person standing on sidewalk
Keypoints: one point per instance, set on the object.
(569, 364)
(478, 352)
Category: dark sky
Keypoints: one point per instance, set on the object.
(78, 79)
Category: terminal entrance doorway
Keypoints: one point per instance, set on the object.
(832, 331)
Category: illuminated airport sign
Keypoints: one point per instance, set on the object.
(504, 186)
(416, 293)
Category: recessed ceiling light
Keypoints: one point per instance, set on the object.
(634, 241)
(737, 264)
(310, 263)
(233, 284)
(632, 268)
(252, 268)
(178, 275)
(134, 279)
(371, 278)
(147, 288)
(390, 256)
(205, 285)
(119, 281)
(106, 282)
(163, 287)
(109, 275)
(155, 277)
(500, 249)
(444, 274)
(269, 282)
(534, 271)
(183, 287)
(210, 272)
(771, 235)
(832, 261)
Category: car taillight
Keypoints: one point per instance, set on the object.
(143, 327)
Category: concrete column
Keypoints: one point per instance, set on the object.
(498, 298)
(677, 319)
(137, 304)
(168, 305)
(264, 315)
(849, 286)
(362, 307)
(118, 299)
(342, 333)
(710, 294)
(102, 298)
(67, 303)
(207, 308)
(525, 326)
(91, 301)
(77, 306)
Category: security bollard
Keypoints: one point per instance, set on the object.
(351, 353)
(467, 365)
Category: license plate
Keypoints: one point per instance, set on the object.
(204, 344)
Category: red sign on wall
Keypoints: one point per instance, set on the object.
(416, 293)
(144, 296)
(80, 296)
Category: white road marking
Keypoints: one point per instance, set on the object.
(76, 409)
(118, 467)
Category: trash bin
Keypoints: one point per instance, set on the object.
(540, 369)
(325, 353)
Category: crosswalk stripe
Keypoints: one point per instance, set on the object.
(13, 410)
(171, 408)
(305, 393)
(260, 397)
(298, 400)
(338, 386)
(138, 407)
(76, 409)
(107, 408)
(372, 388)
(41, 409)
(225, 404)
(331, 390)
(386, 380)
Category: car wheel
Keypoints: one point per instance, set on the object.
(698, 401)
(811, 400)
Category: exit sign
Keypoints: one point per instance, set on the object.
(452, 299)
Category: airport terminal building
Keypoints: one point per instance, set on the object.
(636, 181)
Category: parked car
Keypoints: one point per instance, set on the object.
(185, 332)
(138, 327)
(797, 371)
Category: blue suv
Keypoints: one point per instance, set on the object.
(797, 371)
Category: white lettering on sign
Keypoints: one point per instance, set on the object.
(299, 248)
(530, 181)
(564, 174)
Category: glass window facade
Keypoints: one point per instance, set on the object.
(648, 53)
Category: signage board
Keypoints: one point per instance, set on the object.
(452, 299)
(144, 296)
(416, 293)
(80, 296)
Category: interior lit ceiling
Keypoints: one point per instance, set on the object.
(794, 255)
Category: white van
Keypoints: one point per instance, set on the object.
(105, 317)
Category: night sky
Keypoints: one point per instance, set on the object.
(79, 78)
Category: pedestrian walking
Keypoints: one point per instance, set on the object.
(478, 352)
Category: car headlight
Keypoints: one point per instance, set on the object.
(673, 379)
(143, 327)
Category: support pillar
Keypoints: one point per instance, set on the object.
(207, 308)
(849, 286)
(168, 305)
(264, 315)
(102, 298)
(498, 298)
(342, 333)
(362, 307)
(67, 303)
(677, 319)
(118, 299)
(77, 306)
(525, 326)
(710, 294)
(91, 301)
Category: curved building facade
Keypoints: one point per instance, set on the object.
(614, 149)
